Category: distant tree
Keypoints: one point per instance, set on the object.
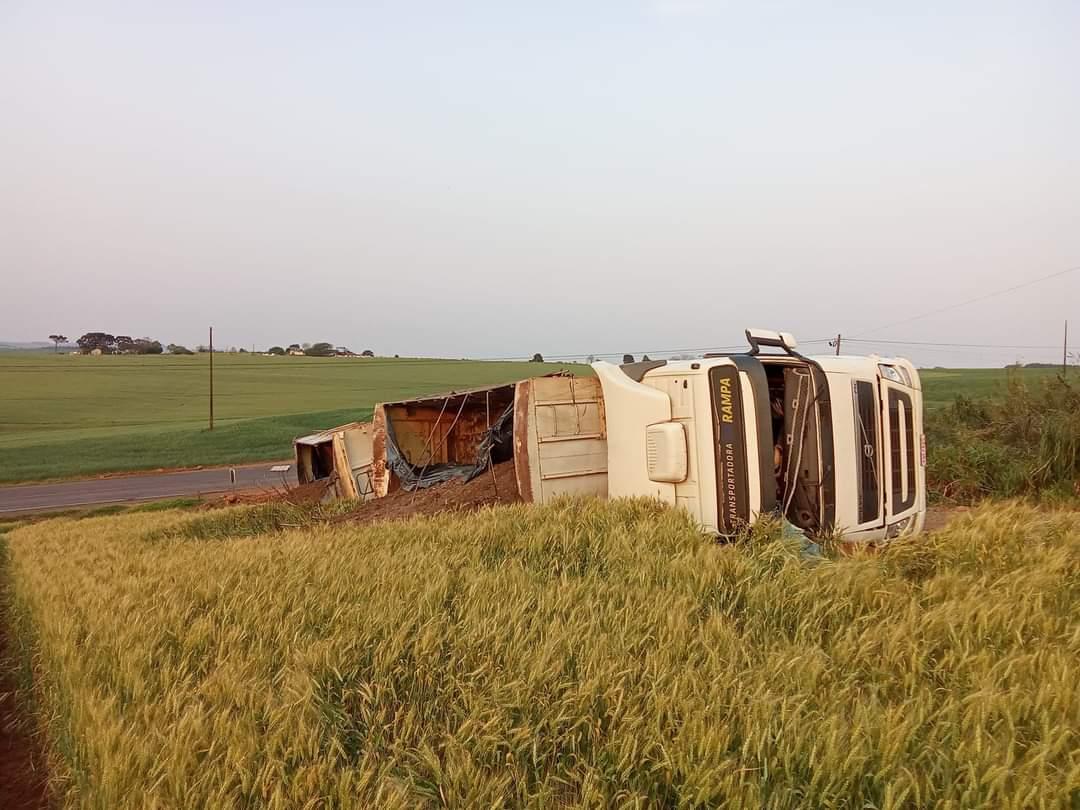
(367, 353)
(306, 346)
(125, 344)
(628, 358)
(145, 345)
(537, 358)
(321, 349)
(396, 356)
(644, 358)
(275, 350)
(243, 350)
(294, 346)
(102, 341)
(590, 359)
(175, 348)
(202, 348)
(57, 340)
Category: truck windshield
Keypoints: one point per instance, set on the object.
(866, 442)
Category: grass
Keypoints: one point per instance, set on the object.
(1023, 443)
(583, 654)
(64, 416)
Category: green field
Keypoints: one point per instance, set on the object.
(581, 654)
(942, 385)
(63, 415)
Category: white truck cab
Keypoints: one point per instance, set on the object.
(835, 444)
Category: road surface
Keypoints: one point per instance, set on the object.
(139, 487)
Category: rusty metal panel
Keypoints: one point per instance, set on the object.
(567, 419)
(358, 444)
(568, 406)
(380, 476)
(584, 456)
(419, 432)
(587, 388)
(525, 450)
(560, 441)
(580, 485)
(303, 463)
(549, 390)
(578, 419)
(468, 432)
(345, 483)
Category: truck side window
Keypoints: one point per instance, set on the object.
(902, 439)
(866, 445)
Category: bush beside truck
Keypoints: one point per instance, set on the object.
(1024, 443)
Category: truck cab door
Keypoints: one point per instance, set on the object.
(903, 476)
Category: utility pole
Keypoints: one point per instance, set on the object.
(211, 378)
(838, 345)
(1065, 350)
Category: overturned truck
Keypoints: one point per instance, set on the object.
(834, 444)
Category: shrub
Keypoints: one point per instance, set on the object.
(1024, 443)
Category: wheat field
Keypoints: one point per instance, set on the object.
(583, 654)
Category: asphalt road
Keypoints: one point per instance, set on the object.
(139, 487)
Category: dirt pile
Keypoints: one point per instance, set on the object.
(303, 495)
(497, 485)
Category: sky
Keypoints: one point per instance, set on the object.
(492, 179)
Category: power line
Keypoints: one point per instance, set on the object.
(972, 300)
(952, 345)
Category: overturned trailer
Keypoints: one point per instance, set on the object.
(831, 444)
(552, 428)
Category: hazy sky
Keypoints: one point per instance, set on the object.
(491, 179)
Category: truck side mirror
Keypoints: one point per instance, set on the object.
(665, 449)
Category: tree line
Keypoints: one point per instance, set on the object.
(105, 343)
(320, 349)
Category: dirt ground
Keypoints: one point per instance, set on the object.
(495, 485)
(938, 516)
(23, 780)
(302, 495)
